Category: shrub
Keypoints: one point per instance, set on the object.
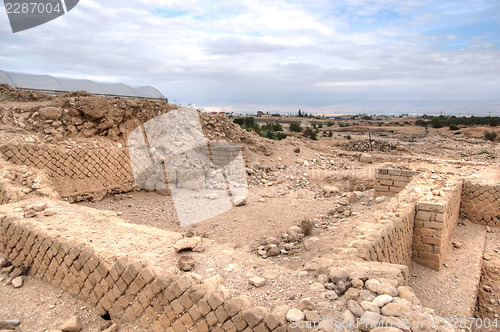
(280, 136)
(484, 152)
(421, 123)
(330, 123)
(436, 123)
(493, 121)
(348, 137)
(306, 226)
(311, 134)
(270, 134)
(320, 126)
(272, 127)
(249, 122)
(295, 126)
(454, 127)
(239, 121)
(457, 133)
(330, 133)
(490, 135)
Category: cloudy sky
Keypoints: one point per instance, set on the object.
(322, 56)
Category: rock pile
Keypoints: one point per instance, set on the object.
(16, 182)
(364, 146)
(288, 243)
(220, 128)
(371, 304)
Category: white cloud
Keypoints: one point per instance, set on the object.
(300, 53)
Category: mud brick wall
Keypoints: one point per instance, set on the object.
(434, 225)
(388, 235)
(390, 182)
(77, 173)
(130, 290)
(392, 241)
(481, 203)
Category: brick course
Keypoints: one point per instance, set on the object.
(481, 202)
(76, 173)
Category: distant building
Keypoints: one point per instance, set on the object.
(259, 114)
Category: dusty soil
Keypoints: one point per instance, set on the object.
(452, 291)
(270, 218)
(41, 306)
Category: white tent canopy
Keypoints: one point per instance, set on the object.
(50, 83)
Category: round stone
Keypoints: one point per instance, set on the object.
(295, 315)
(355, 308)
(382, 300)
(385, 288)
(372, 285)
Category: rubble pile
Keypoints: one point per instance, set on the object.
(372, 304)
(17, 182)
(8, 93)
(364, 146)
(288, 243)
(80, 114)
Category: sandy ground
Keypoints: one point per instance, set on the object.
(41, 306)
(270, 218)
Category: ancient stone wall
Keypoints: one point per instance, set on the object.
(127, 289)
(481, 202)
(390, 182)
(387, 237)
(76, 173)
(396, 240)
(416, 224)
(435, 222)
